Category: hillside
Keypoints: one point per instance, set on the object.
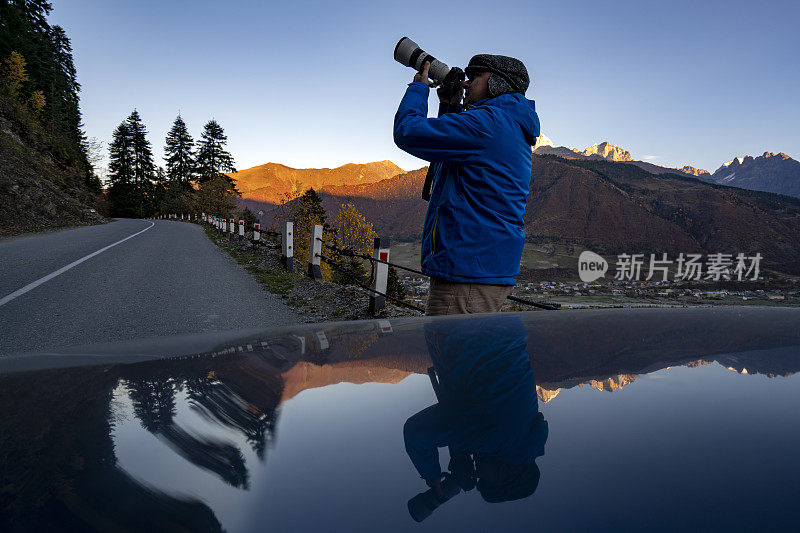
(611, 207)
(270, 183)
(616, 207)
(36, 191)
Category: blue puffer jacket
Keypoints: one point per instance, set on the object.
(481, 159)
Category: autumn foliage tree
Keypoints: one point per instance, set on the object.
(353, 232)
(14, 69)
(215, 197)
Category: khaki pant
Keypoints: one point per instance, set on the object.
(451, 298)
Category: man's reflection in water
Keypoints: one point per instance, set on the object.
(487, 414)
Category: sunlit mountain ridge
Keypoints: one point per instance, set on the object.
(272, 182)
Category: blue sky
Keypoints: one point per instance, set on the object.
(313, 84)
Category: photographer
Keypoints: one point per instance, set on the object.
(480, 156)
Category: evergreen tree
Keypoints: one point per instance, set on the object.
(395, 287)
(121, 156)
(212, 158)
(179, 154)
(161, 175)
(143, 166)
(64, 110)
(124, 196)
(52, 77)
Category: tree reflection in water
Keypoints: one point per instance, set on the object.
(58, 469)
(247, 405)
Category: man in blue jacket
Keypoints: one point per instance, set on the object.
(480, 156)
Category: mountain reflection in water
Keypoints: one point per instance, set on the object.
(70, 437)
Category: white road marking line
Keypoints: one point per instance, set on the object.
(31, 286)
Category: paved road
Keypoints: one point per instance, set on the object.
(169, 279)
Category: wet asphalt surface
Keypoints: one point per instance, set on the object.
(168, 280)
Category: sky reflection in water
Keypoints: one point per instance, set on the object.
(301, 434)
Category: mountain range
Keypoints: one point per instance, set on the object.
(768, 172)
(609, 207)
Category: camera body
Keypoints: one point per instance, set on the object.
(425, 503)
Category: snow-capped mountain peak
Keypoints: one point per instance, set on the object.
(543, 140)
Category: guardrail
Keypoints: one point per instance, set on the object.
(377, 284)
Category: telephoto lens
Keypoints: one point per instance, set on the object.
(408, 53)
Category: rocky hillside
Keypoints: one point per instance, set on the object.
(604, 150)
(769, 172)
(38, 190)
(688, 169)
(270, 183)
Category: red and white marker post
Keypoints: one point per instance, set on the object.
(381, 277)
(287, 246)
(314, 251)
(256, 232)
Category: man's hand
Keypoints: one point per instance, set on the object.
(436, 485)
(423, 75)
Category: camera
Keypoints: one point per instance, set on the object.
(408, 53)
(425, 503)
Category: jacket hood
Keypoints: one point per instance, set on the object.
(522, 110)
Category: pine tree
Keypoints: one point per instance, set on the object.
(121, 156)
(179, 154)
(395, 287)
(143, 166)
(64, 110)
(212, 158)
